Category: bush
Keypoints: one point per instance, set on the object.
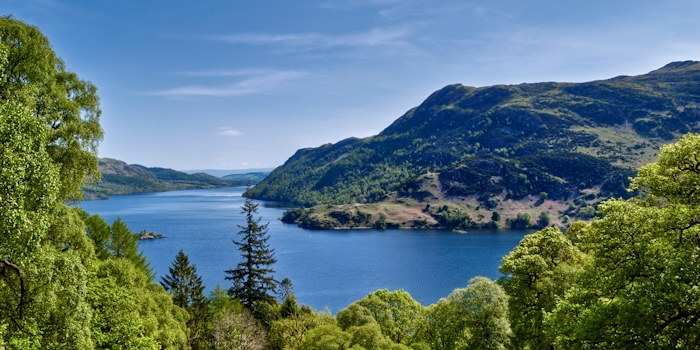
(543, 220)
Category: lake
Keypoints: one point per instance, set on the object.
(328, 268)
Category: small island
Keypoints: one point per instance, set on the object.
(148, 235)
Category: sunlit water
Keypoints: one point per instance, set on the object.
(328, 268)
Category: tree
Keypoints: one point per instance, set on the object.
(185, 285)
(543, 220)
(486, 311)
(252, 280)
(640, 287)
(286, 290)
(398, 315)
(469, 318)
(537, 273)
(237, 330)
(60, 287)
(522, 220)
(99, 231)
(124, 244)
(34, 76)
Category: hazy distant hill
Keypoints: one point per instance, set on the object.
(245, 179)
(506, 148)
(221, 173)
(121, 178)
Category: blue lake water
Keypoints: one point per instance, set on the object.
(328, 268)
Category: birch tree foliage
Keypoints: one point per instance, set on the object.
(641, 286)
(34, 76)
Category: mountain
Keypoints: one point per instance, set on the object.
(221, 173)
(529, 148)
(121, 178)
(246, 178)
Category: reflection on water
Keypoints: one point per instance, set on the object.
(278, 205)
(327, 268)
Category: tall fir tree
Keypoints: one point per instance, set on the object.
(252, 278)
(185, 285)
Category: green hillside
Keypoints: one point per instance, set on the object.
(493, 146)
(245, 179)
(121, 178)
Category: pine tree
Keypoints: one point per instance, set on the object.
(252, 277)
(185, 285)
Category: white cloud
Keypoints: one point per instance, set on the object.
(227, 131)
(371, 38)
(257, 83)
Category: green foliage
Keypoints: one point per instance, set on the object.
(183, 283)
(33, 76)
(452, 218)
(60, 287)
(397, 314)
(381, 222)
(469, 318)
(536, 274)
(42, 283)
(521, 221)
(586, 212)
(327, 337)
(640, 285)
(290, 331)
(187, 290)
(252, 280)
(543, 220)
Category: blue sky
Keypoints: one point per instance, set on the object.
(244, 84)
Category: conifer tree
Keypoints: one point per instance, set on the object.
(183, 283)
(252, 278)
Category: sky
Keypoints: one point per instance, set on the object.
(238, 84)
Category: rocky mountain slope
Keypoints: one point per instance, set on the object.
(557, 148)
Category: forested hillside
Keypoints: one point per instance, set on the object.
(491, 147)
(117, 178)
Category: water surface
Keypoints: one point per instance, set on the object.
(328, 268)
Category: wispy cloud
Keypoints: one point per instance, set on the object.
(228, 131)
(350, 4)
(232, 72)
(372, 38)
(256, 83)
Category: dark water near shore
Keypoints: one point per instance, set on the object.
(328, 268)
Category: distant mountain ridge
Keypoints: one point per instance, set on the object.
(119, 178)
(222, 173)
(487, 146)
